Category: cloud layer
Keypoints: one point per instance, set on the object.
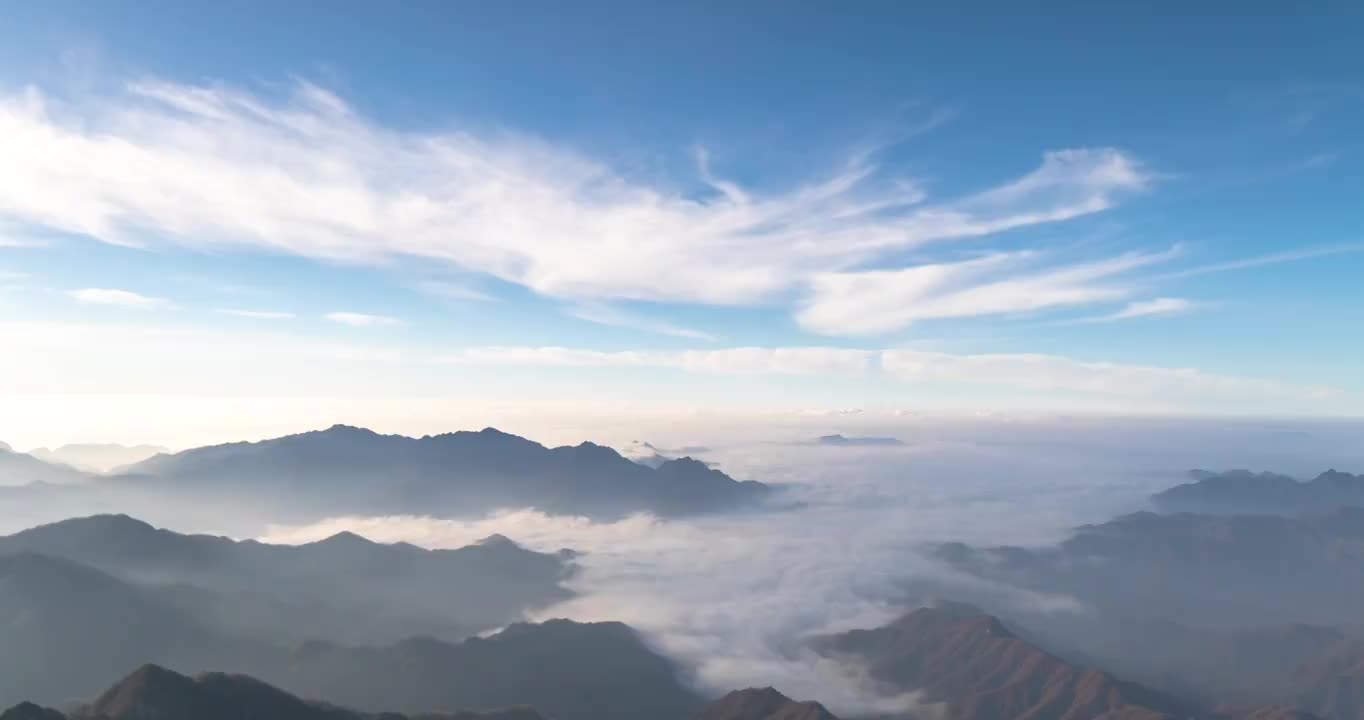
(732, 597)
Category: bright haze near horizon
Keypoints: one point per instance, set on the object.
(248, 220)
(936, 279)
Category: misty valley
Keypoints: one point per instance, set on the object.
(343, 573)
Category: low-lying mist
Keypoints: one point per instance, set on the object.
(732, 597)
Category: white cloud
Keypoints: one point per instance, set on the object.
(1034, 371)
(362, 319)
(454, 291)
(877, 301)
(308, 175)
(604, 314)
(1310, 253)
(1135, 309)
(1158, 306)
(256, 314)
(736, 361)
(124, 298)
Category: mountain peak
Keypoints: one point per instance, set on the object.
(498, 540)
(342, 429)
(764, 703)
(150, 690)
(29, 711)
(345, 537)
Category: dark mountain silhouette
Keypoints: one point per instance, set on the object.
(567, 670)
(344, 588)
(1208, 571)
(97, 457)
(761, 704)
(1241, 491)
(66, 628)
(29, 711)
(347, 469)
(978, 669)
(845, 441)
(154, 693)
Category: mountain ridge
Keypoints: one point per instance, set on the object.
(345, 469)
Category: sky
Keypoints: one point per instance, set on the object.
(225, 221)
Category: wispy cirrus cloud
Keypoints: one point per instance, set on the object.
(454, 291)
(1289, 256)
(256, 314)
(355, 319)
(122, 298)
(737, 361)
(1157, 306)
(604, 314)
(877, 301)
(311, 176)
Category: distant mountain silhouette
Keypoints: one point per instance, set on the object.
(761, 704)
(18, 468)
(977, 669)
(1206, 570)
(352, 470)
(344, 588)
(155, 693)
(97, 457)
(1242, 491)
(845, 441)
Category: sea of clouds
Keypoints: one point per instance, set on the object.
(732, 597)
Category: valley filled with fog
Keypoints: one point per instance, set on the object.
(849, 522)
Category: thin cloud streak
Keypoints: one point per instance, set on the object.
(602, 314)
(879, 301)
(1263, 260)
(122, 298)
(256, 314)
(356, 319)
(454, 291)
(1156, 307)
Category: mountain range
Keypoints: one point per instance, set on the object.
(344, 588)
(152, 692)
(97, 457)
(345, 470)
(1208, 570)
(974, 668)
(336, 619)
(1243, 491)
(964, 664)
(17, 469)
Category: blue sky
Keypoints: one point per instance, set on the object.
(778, 207)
